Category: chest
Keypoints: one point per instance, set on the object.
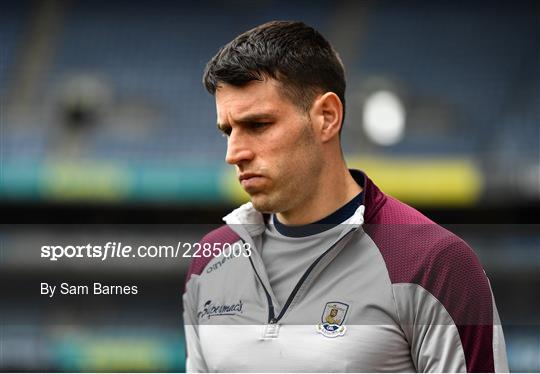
(234, 316)
(302, 348)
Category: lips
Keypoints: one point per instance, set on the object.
(250, 181)
(246, 175)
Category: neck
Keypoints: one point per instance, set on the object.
(335, 189)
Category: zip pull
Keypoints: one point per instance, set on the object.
(271, 330)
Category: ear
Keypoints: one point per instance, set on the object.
(327, 112)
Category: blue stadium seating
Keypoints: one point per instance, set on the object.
(474, 59)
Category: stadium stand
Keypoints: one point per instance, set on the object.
(119, 125)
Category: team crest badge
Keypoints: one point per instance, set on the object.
(332, 319)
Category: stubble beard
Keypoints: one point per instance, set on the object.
(297, 181)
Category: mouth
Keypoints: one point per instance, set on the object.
(250, 181)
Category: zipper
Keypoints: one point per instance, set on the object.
(272, 319)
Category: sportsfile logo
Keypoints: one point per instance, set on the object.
(210, 309)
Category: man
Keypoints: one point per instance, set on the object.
(407, 295)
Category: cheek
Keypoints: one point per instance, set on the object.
(289, 140)
(283, 154)
(288, 152)
(296, 159)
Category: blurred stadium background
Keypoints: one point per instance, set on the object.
(104, 121)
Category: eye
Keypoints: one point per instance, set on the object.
(225, 131)
(259, 125)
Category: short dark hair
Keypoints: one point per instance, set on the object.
(293, 53)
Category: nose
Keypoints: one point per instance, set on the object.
(238, 149)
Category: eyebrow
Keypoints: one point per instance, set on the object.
(248, 119)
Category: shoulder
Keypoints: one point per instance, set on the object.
(223, 234)
(418, 251)
(410, 242)
(426, 262)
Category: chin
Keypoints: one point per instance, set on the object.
(263, 205)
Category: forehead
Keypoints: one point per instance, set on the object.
(255, 97)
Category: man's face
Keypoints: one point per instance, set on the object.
(271, 142)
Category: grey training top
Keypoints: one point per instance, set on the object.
(394, 292)
(287, 251)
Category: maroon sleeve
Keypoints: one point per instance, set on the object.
(223, 234)
(428, 255)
